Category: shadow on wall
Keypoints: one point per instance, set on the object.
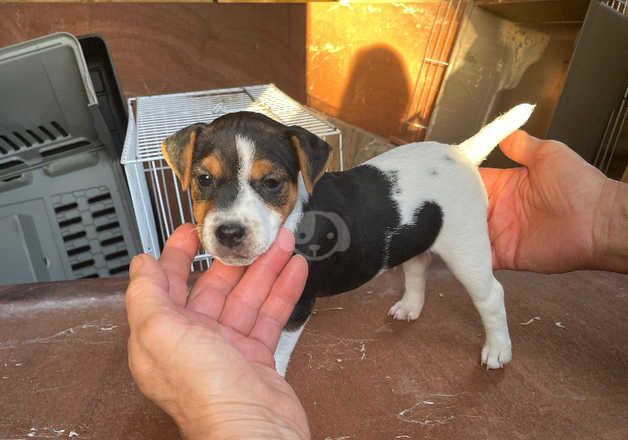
(377, 92)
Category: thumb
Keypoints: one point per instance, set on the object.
(521, 147)
(147, 291)
(145, 266)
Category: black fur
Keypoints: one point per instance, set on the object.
(361, 197)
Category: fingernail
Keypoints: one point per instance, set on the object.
(286, 240)
(193, 233)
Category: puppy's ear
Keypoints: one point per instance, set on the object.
(313, 154)
(178, 150)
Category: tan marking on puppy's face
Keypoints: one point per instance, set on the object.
(261, 168)
(271, 181)
(213, 164)
(291, 200)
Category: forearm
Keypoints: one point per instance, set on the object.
(610, 235)
(235, 421)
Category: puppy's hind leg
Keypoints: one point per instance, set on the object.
(471, 263)
(410, 305)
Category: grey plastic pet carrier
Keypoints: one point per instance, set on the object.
(65, 212)
(160, 205)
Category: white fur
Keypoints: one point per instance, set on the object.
(261, 222)
(287, 341)
(411, 304)
(448, 175)
(478, 146)
(293, 219)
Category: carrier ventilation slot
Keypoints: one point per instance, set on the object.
(59, 128)
(83, 264)
(103, 212)
(10, 164)
(74, 236)
(107, 226)
(34, 136)
(63, 148)
(67, 207)
(112, 240)
(68, 222)
(22, 139)
(29, 137)
(91, 275)
(115, 255)
(78, 250)
(119, 269)
(8, 179)
(99, 198)
(9, 142)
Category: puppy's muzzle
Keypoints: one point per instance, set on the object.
(230, 234)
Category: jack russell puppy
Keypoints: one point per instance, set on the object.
(248, 175)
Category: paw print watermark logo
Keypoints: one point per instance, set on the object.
(321, 234)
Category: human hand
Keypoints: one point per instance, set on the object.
(553, 214)
(207, 358)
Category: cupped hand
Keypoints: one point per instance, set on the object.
(205, 355)
(543, 216)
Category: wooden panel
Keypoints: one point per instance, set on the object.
(363, 61)
(163, 48)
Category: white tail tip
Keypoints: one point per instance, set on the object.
(477, 147)
(520, 114)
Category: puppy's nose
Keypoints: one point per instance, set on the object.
(230, 234)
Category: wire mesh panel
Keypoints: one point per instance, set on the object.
(159, 203)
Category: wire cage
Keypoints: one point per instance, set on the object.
(158, 202)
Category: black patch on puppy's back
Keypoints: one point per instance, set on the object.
(362, 198)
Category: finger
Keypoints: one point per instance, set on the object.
(521, 147)
(280, 303)
(176, 259)
(244, 302)
(147, 292)
(211, 289)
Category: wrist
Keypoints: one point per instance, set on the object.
(239, 421)
(610, 228)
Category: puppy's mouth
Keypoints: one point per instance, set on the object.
(236, 259)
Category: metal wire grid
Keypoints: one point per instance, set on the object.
(160, 116)
(159, 204)
(612, 134)
(618, 5)
(440, 43)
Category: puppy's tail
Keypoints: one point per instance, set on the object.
(477, 147)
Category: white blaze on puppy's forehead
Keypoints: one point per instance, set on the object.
(246, 152)
(249, 210)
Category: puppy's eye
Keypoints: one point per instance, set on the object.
(272, 183)
(205, 180)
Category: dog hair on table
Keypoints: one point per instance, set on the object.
(248, 175)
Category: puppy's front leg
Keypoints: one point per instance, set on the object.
(287, 342)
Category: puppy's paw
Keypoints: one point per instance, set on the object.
(496, 354)
(405, 310)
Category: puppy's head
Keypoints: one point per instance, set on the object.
(242, 172)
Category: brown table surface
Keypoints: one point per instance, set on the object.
(63, 370)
